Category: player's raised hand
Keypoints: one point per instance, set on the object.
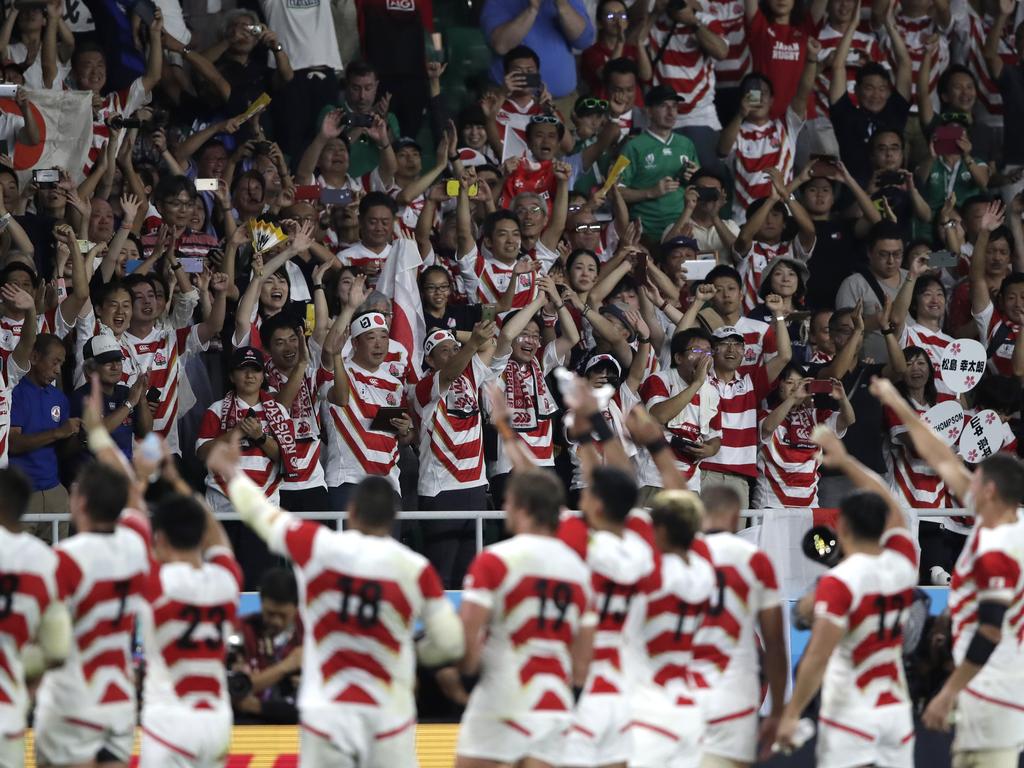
(224, 456)
(642, 427)
(884, 390)
(833, 450)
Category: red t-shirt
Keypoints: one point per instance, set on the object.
(595, 57)
(778, 52)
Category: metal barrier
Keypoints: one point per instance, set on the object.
(56, 518)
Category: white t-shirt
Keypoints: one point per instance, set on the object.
(306, 30)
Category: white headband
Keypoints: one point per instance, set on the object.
(436, 338)
(371, 321)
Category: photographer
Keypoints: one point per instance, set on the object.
(241, 59)
(268, 663)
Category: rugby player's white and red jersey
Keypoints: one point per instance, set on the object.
(359, 450)
(160, 355)
(726, 645)
(451, 430)
(759, 343)
(185, 625)
(684, 67)
(487, 279)
(758, 148)
(911, 479)
(28, 585)
(867, 596)
(974, 31)
(537, 590)
(102, 578)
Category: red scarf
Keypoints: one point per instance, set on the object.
(527, 396)
(279, 424)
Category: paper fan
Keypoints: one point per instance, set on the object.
(265, 235)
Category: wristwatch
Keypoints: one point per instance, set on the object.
(278, 48)
(890, 330)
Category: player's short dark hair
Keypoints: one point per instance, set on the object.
(617, 491)
(539, 493)
(951, 71)
(1012, 279)
(375, 199)
(105, 491)
(517, 53)
(133, 280)
(719, 498)
(679, 514)
(181, 519)
(45, 341)
(1006, 473)
(682, 340)
(15, 490)
(884, 230)
(1001, 394)
(865, 513)
(359, 68)
(106, 290)
(374, 503)
(278, 584)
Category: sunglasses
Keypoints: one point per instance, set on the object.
(621, 16)
(545, 119)
(590, 104)
(588, 227)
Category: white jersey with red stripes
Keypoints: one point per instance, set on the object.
(361, 257)
(912, 479)
(28, 584)
(758, 148)
(537, 590)
(451, 430)
(756, 261)
(759, 343)
(305, 417)
(725, 648)
(1000, 335)
(614, 415)
(788, 461)
(867, 597)
(189, 614)
(739, 402)
(510, 114)
(51, 321)
(934, 343)
(864, 47)
(161, 354)
(9, 379)
(360, 597)
(737, 63)
(972, 31)
(699, 421)
(102, 578)
(916, 32)
(487, 279)
(359, 450)
(685, 68)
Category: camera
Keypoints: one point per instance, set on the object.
(239, 682)
(821, 545)
(254, 29)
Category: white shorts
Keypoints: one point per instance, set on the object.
(665, 735)
(882, 736)
(731, 733)
(986, 720)
(12, 749)
(173, 737)
(598, 735)
(65, 739)
(509, 740)
(348, 736)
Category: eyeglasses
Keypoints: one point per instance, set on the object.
(545, 119)
(590, 104)
(699, 351)
(588, 227)
(891, 255)
(437, 288)
(620, 15)
(178, 202)
(522, 211)
(528, 337)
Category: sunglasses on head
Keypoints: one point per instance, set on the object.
(589, 104)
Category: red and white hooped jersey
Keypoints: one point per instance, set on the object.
(991, 567)
(615, 417)
(487, 279)
(622, 569)
(731, 15)
(537, 590)
(911, 479)
(759, 344)
(788, 461)
(725, 647)
(739, 402)
(363, 451)
(51, 321)
(189, 614)
(9, 379)
(753, 265)
(451, 430)
(359, 598)
(511, 114)
(1000, 335)
(687, 69)
(916, 33)
(28, 584)
(829, 38)
(359, 256)
(866, 596)
(758, 148)
(699, 421)
(102, 578)
(662, 651)
(305, 417)
(934, 343)
(160, 355)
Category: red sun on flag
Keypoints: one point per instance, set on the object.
(26, 157)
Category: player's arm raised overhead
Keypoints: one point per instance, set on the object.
(247, 497)
(929, 447)
(589, 426)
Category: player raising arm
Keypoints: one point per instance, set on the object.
(855, 653)
(362, 593)
(987, 601)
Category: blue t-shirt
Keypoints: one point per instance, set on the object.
(124, 432)
(38, 409)
(557, 65)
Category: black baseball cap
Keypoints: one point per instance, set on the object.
(660, 93)
(247, 356)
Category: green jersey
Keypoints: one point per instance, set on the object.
(650, 160)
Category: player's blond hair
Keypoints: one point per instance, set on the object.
(681, 513)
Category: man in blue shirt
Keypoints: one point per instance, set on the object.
(40, 420)
(552, 27)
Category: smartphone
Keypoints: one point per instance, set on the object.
(193, 264)
(85, 245)
(532, 80)
(754, 95)
(488, 313)
(307, 192)
(261, 147)
(153, 394)
(206, 185)
(819, 387)
(707, 194)
(358, 121)
(309, 324)
(336, 196)
(640, 268)
(131, 265)
(890, 179)
(8, 90)
(435, 51)
(451, 188)
(46, 178)
(945, 139)
(145, 10)
(942, 259)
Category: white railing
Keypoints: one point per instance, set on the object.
(478, 517)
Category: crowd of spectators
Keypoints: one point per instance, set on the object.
(734, 213)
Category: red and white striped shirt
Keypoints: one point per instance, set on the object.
(934, 343)
(27, 587)
(451, 430)
(739, 404)
(789, 461)
(916, 33)
(974, 31)
(305, 417)
(511, 114)
(361, 450)
(867, 597)
(753, 265)
(361, 257)
(487, 279)
(699, 421)
(537, 590)
(185, 625)
(758, 148)
(1000, 335)
(101, 577)
(759, 343)
(687, 69)
(731, 15)
(829, 38)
